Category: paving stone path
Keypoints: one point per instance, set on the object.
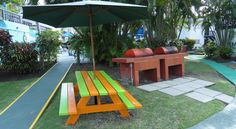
(191, 87)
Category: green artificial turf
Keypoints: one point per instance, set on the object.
(160, 111)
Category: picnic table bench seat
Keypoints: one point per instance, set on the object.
(67, 101)
(97, 84)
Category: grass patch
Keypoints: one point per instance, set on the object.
(205, 72)
(11, 90)
(160, 111)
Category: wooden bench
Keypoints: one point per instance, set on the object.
(67, 101)
(97, 84)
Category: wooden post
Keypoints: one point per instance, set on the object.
(91, 38)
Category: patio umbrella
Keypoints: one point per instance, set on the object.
(85, 13)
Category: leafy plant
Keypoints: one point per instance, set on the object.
(225, 52)
(5, 38)
(219, 17)
(199, 51)
(189, 42)
(210, 48)
(48, 43)
(80, 44)
(109, 42)
(16, 57)
(178, 43)
(167, 17)
(22, 58)
(5, 41)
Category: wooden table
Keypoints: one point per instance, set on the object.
(103, 85)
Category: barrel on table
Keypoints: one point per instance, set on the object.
(166, 50)
(138, 52)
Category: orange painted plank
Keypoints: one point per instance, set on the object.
(106, 85)
(91, 88)
(71, 99)
(130, 97)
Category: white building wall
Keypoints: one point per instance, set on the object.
(195, 32)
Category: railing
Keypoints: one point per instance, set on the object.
(27, 23)
(9, 16)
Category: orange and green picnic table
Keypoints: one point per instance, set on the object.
(94, 84)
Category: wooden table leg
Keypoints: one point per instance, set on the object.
(99, 100)
(123, 110)
(164, 70)
(73, 118)
(83, 108)
(76, 89)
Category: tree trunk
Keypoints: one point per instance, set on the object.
(181, 28)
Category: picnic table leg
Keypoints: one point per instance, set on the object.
(76, 89)
(123, 110)
(73, 118)
(98, 100)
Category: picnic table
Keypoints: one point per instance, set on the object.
(94, 84)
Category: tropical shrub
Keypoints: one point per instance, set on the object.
(210, 48)
(178, 43)
(80, 45)
(189, 42)
(5, 38)
(22, 58)
(199, 51)
(225, 52)
(5, 41)
(108, 42)
(16, 57)
(48, 43)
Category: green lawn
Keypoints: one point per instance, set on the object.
(160, 111)
(204, 72)
(11, 90)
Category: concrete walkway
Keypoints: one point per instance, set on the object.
(225, 119)
(28, 108)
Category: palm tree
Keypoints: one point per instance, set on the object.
(219, 17)
(167, 17)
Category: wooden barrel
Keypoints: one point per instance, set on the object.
(166, 50)
(138, 52)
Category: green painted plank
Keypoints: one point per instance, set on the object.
(63, 110)
(102, 91)
(112, 82)
(126, 101)
(82, 86)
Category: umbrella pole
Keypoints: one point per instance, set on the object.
(91, 38)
